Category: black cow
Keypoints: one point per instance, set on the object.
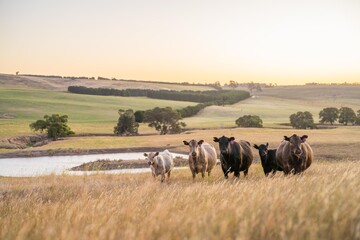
(268, 159)
(234, 156)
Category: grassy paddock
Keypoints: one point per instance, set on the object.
(323, 141)
(323, 203)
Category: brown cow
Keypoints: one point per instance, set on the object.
(294, 155)
(202, 157)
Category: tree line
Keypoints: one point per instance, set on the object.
(217, 97)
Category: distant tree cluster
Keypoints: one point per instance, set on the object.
(127, 124)
(164, 120)
(344, 115)
(216, 97)
(55, 126)
(190, 111)
(249, 121)
(302, 120)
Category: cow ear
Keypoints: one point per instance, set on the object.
(200, 142)
(231, 139)
(286, 138)
(185, 142)
(157, 153)
(216, 139)
(256, 146)
(267, 144)
(145, 154)
(303, 138)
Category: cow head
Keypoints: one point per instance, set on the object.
(263, 149)
(194, 147)
(224, 144)
(295, 143)
(151, 157)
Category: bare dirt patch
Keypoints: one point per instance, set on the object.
(100, 165)
(22, 142)
(7, 116)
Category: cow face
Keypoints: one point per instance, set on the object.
(224, 144)
(263, 149)
(194, 147)
(151, 157)
(295, 144)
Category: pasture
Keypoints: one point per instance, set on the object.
(87, 113)
(275, 105)
(323, 203)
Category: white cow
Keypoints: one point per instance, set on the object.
(160, 163)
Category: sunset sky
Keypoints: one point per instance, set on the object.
(283, 42)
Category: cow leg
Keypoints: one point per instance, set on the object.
(202, 174)
(237, 174)
(169, 172)
(162, 177)
(246, 172)
(273, 172)
(193, 174)
(225, 172)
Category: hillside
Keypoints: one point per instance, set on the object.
(275, 105)
(29, 98)
(61, 84)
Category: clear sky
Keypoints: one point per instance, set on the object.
(284, 42)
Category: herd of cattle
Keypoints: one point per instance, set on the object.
(293, 155)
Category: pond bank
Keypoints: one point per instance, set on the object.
(71, 152)
(101, 165)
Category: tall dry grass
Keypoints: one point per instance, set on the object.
(323, 203)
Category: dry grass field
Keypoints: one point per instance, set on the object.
(323, 203)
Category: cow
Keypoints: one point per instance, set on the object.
(202, 157)
(234, 156)
(268, 159)
(160, 163)
(294, 154)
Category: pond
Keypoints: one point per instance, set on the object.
(39, 166)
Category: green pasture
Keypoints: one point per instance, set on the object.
(87, 113)
(98, 114)
(275, 105)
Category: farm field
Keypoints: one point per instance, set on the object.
(87, 113)
(275, 105)
(61, 84)
(344, 139)
(320, 204)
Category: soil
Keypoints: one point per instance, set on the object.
(100, 165)
(21, 142)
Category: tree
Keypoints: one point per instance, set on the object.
(233, 84)
(55, 126)
(357, 121)
(249, 121)
(139, 116)
(164, 120)
(302, 120)
(346, 115)
(126, 123)
(329, 115)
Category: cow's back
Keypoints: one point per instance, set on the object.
(247, 155)
(208, 152)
